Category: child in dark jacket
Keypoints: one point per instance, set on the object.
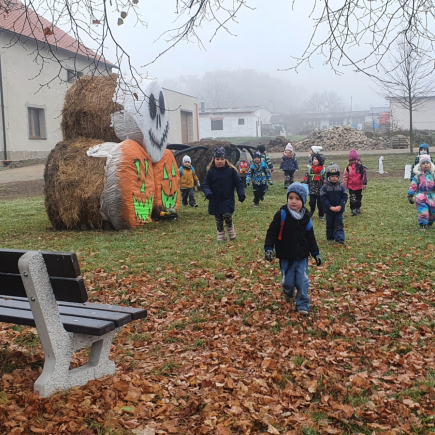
(355, 179)
(259, 174)
(291, 234)
(315, 177)
(334, 197)
(289, 165)
(218, 186)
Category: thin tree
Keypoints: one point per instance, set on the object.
(319, 102)
(407, 76)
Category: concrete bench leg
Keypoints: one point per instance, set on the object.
(58, 344)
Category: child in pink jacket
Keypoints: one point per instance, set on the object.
(355, 180)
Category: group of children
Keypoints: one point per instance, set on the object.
(290, 236)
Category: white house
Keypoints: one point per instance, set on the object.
(233, 122)
(423, 118)
(30, 112)
(183, 117)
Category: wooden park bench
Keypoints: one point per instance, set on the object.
(44, 289)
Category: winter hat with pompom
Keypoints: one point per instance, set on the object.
(186, 159)
(424, 158)
(289, 147)
(353, 155)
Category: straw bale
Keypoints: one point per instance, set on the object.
(87, 108)
(73, 185)
(202, 158)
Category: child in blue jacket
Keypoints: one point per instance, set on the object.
(289, 165)
(259, 174)
(334, 197)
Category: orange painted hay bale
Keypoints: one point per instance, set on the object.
(167, 184)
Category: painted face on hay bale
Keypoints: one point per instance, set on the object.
(167, 183)
(127, 200)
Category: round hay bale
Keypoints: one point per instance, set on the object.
(73, 185)
(202, 158)
(87, 108)
(166, 184)
(127, 199)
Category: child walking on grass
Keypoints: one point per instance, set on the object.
(334, 197)
(259, 174)
(423, 187)
(218, 186)
(355, 180)
(315, 177)
(289, 165)
(188, 181)
(291, 233)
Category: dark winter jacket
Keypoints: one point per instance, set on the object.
(333, 195)
(221, 182)
(298, 239)
(289, 163)
(314, 186)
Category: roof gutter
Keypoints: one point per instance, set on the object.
(5, 149)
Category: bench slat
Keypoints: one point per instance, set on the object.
(70, 323)
(64, 289)
(119, 319)
(135, 313)
(60, 264)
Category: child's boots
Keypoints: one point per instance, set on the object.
(221, 236)
(232, 232)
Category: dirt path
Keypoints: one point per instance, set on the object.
(28, 173)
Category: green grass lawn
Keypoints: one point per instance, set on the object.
(221, 352)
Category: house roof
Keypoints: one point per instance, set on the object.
(22, 20)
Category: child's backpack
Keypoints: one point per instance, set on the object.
(243, 167)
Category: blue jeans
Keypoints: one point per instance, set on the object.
(295, 274)
(334, 227)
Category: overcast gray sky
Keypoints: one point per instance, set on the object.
(265, 39)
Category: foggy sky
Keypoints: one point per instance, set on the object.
(266, 38)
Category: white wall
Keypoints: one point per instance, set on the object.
(22, 88)
(178, 102)
(422, 118)
(231, 127)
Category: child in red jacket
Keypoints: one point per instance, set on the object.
(355, 180)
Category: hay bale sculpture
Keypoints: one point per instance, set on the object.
(121, 183)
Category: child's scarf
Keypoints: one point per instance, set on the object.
(317, 170)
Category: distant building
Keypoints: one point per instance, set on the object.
(233, 122)
(183, 117)
(423, 118)
(32, 113)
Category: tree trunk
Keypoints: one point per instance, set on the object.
(411, 148)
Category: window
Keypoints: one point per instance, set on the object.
(241, 121)
(335, 122)
(217, 124)
(36, 123)
(73, 75)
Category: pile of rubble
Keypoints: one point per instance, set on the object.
(342, 139)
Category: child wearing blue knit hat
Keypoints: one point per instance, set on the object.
(291, 234)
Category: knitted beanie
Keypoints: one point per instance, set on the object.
(319, 158)
(186, 159)
(289, 147)
(424, 158)
(243, 156)
(332, 170)
(353, 155)
(261, 148)
(316, 149)
(300, 189)
(257, 154)
(425, 146)
(220, 153)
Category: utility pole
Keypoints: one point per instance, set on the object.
(350, 111)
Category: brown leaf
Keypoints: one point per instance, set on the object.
(121, 386)
(47, 31)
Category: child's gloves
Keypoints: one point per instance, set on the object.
(198, 184)
(209, 196)
(318, 259)
(410, 199)
(271, 182)
(268, 255)
(242, 198)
